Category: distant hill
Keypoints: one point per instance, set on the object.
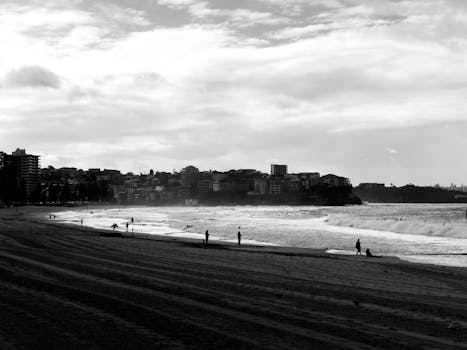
(408, 194)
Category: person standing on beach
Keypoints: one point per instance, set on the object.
(206, 234)
(358, 247)
(239, 235)
(127, 224)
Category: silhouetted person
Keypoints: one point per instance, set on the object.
(368, 253)
(127, 224)
(114, 226)
(206, 234)
(239, 235)
(358, 247)
(132, 220)
(81, 222)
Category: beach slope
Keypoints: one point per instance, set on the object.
(64, 287)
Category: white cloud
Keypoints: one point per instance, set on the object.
(215, 91)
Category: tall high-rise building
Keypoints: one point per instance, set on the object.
(189, 181)
(7, 179)
(26, 169)
(278, 170)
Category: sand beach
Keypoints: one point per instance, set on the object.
(67, 287)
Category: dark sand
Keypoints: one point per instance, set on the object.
(64, 287)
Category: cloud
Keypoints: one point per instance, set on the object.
(32, 76)
(239, 17)
(310, 82)
(118, 15)
(322, 27)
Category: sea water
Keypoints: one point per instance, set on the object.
(425, 233)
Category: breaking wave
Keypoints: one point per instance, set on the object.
(401, 225)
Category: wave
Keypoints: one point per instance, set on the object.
(401, 225)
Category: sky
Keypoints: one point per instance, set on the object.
(372, 90)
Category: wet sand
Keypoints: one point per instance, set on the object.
(64, 287)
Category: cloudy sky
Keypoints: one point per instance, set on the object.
(373, 90)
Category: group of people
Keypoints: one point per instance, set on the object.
(127, 224)
(239, 237)
(359, 249)
(206, 234)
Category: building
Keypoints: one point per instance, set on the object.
(27, 174)
(189, 181)
(3, 160)
(261, 187)
(309, 179)
(293, 183)
(7, 179)
(276, 187)
(110, 175)
(205, 186)
(278, 170)
(217, 181)
(335, 181)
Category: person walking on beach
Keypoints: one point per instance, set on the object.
(358, 247)
(206, 234)
(127, 224)
(132, 220)
(239, 235)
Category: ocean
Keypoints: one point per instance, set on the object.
(421, 233)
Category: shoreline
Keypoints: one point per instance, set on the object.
(213, 241)
(444, 259)
(36, 216)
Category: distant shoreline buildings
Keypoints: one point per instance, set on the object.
(22, 181)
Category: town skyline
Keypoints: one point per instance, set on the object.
(23, 181)
(371, 89)
(264, 169)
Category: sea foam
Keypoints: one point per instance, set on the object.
(401, 225)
